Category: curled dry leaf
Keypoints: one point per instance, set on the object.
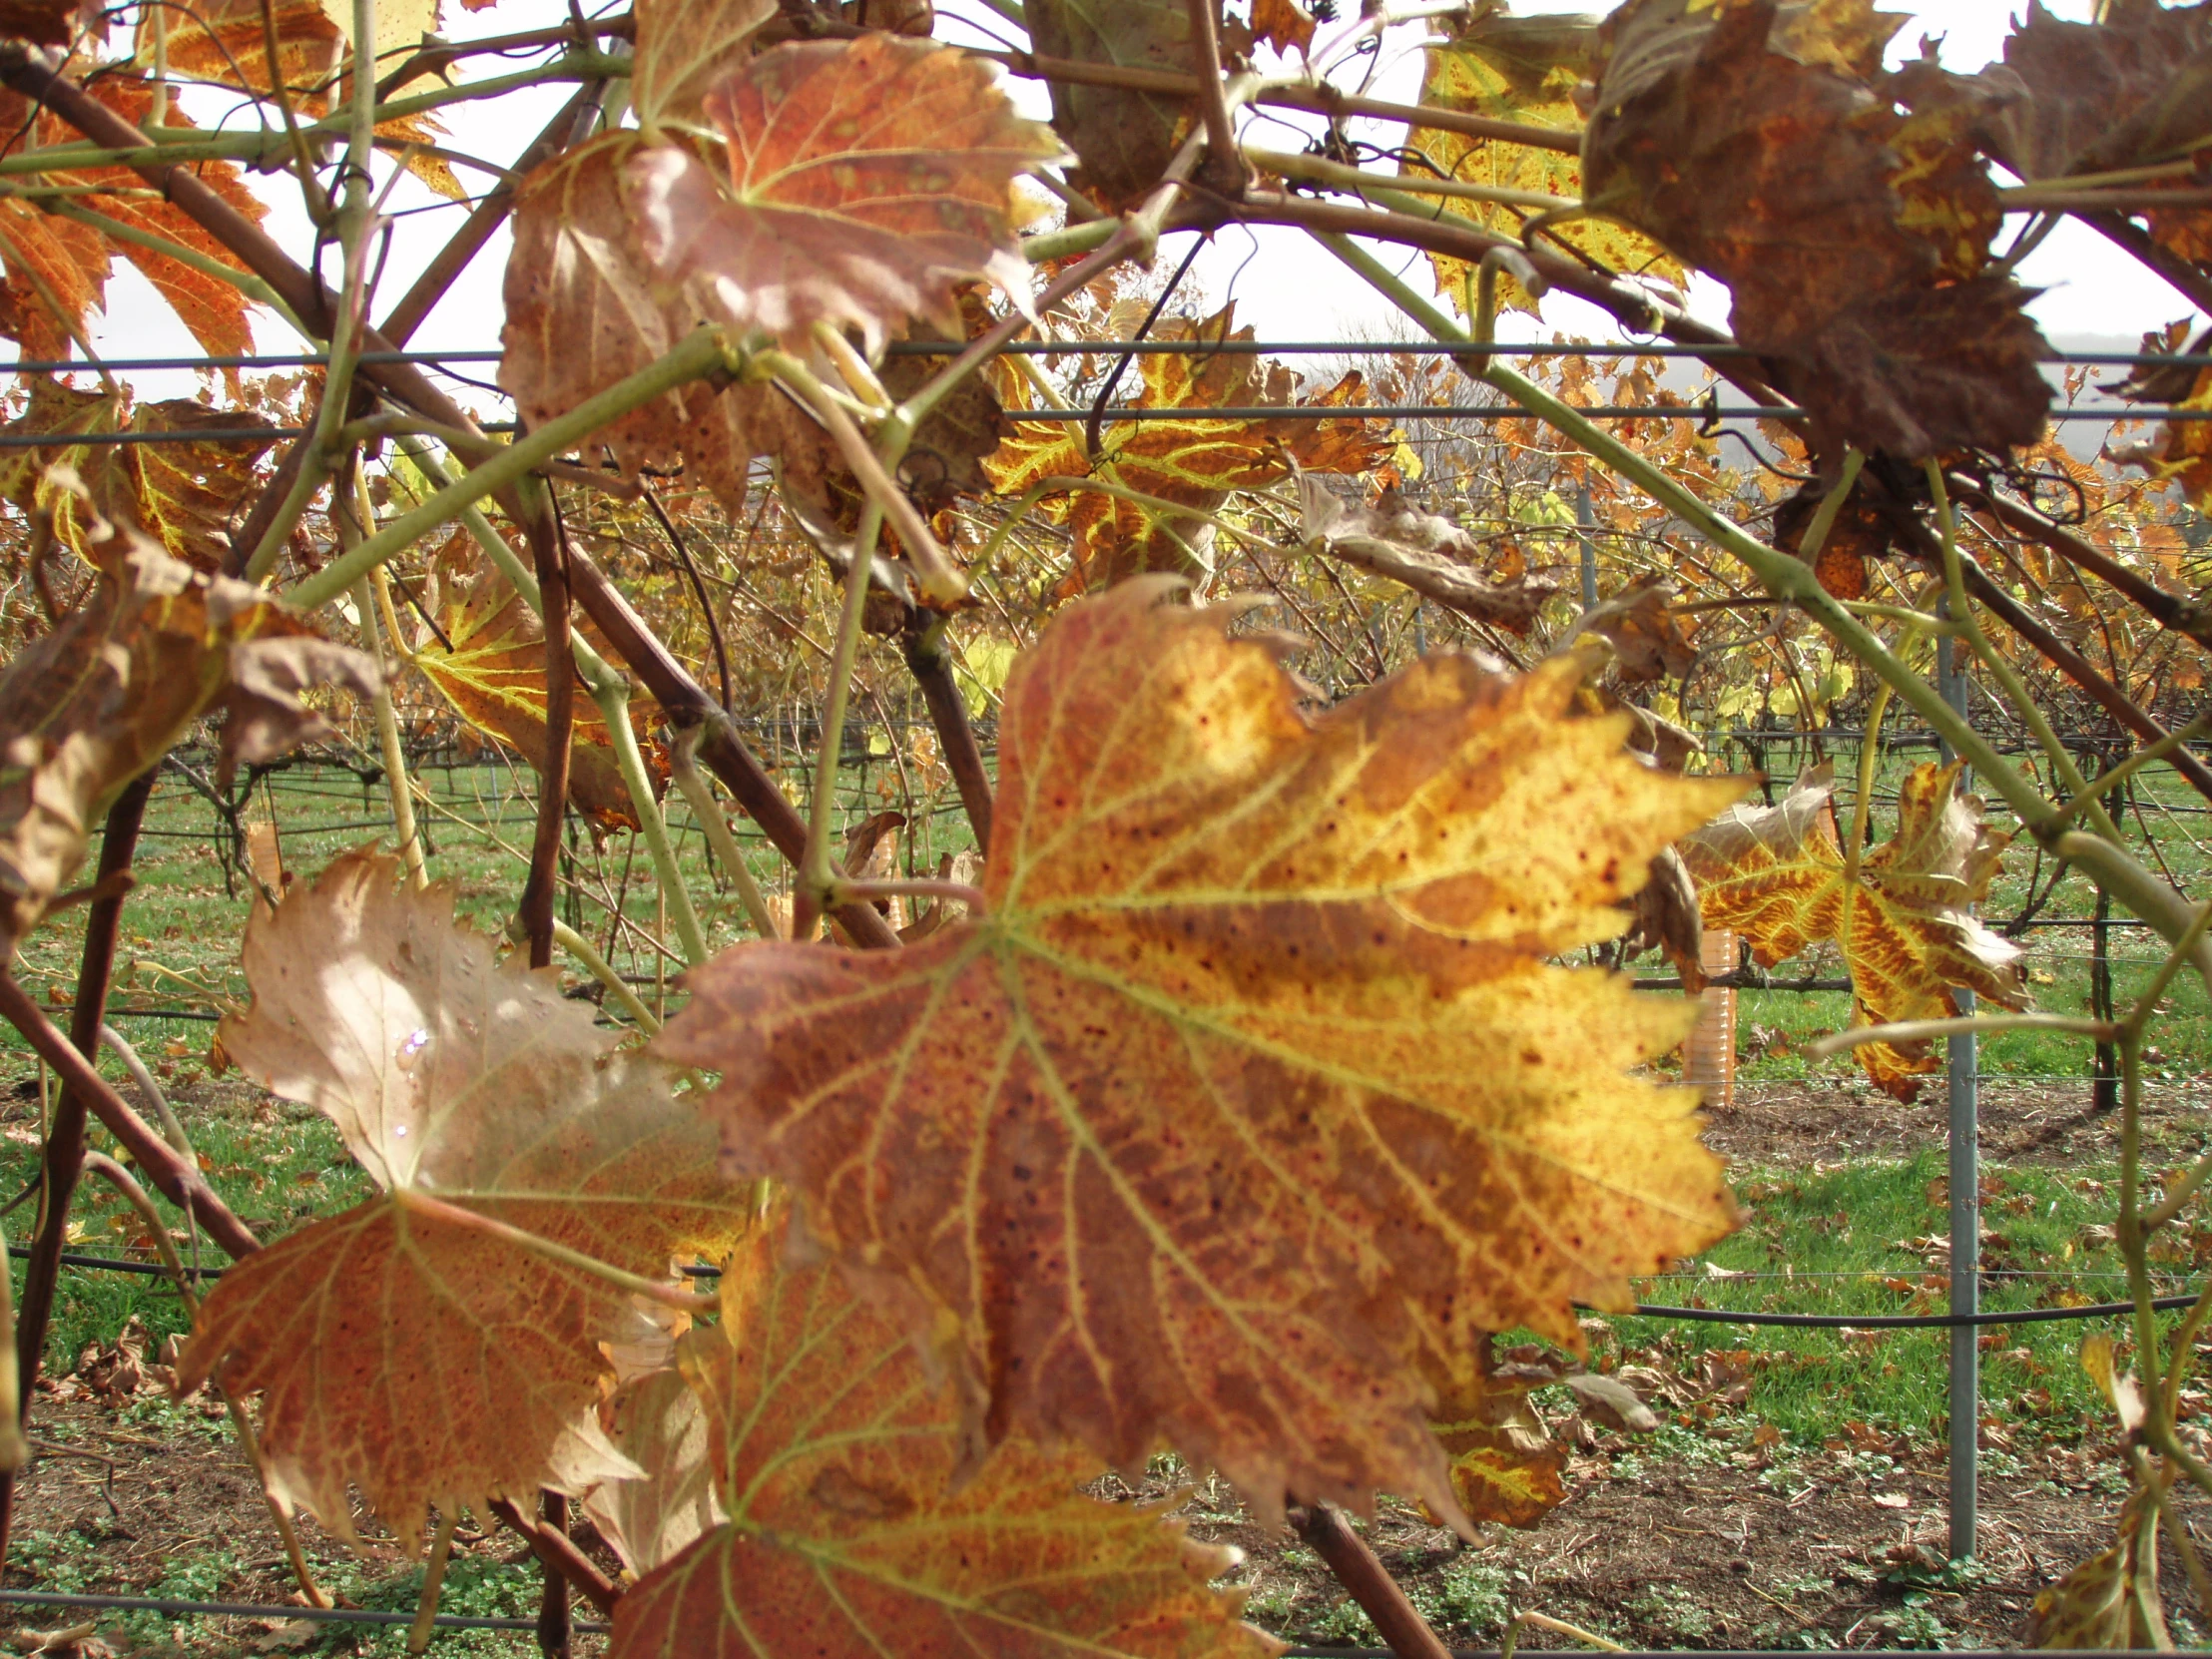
(403, 1349)
(1506, 1469)
(184, 495)
(1256, 1076)
(1905, 927)
(153, 647)
(866, 179)
(1195, 464)
(1611, 1402)
(1527, 70)
(1667, 915)
(46, 22)
(1649, 638)
(1124, 139)
(858, 1521)
(1427, 554)
(1854, 238)
(491, 669)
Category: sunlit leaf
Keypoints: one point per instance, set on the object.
(1905, 927)
(855, 1530)
(1523, 69)
(1194, 463)
(415, 1356)
(866, 179)
(1254, 1098)
(1505, 1468)
(657, 1423)
(2111, 1599)
(492, 668)
(1281, 24)
(1748, 141)
(83, 709)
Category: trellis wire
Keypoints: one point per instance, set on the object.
(172, 1607)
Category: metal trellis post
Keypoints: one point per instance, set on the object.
(1589, 548)
(1966, 1216)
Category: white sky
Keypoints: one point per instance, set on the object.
(1283, 286)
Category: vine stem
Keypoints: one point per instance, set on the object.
(455, 1215)
(707, 815)
(535, 911)
(1917, 1030)
(433, 1580)
(1330, 1536)
(817, 874)
(602, 970)
(692, 358)
(387, 738)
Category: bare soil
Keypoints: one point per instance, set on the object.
(1713, 1537)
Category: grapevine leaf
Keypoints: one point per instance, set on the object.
(1426, 553)
(45, 22)
(656, 1422)
(1284, 25)
(1649, 638)
(57, 275)
(856, 1528)
(1747, 140)
(583, 313)
(1506, 1467)
(184, 495)
(1124, 139)
(223, 42)
(403, 1350)
(492, 668)
(1905, 927)
(1255, 1078)
(866, 178)
(684, 47)
(1194, 463)
(86, 708)
(2180, 451)
(1523, 69)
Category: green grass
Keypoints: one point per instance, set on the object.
(1840, 1241)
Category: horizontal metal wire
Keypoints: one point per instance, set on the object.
(1513, 412)
(1642, 1310)
(1110, 347)
(177, 1608)
(178, 434)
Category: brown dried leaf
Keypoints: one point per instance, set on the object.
(403, 1350)
(1745, 139)
(46, 22)
(866, 180)
(1425, 553)
(1667, 915)
(1284, 25)
(1124, 139)
(1609, 1401)
(1649, 638)
(1256, 1076)
(2111, 1599)
(86, 708)
(1905, 927)
(857, 1519)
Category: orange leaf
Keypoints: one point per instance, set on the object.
(1905, 927)
(584, 313)
(1255, 1092)
(855, 1530)
(493, 674)
(1194, 463)
(409, 1354)
(1283, 24)
(866, 178)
